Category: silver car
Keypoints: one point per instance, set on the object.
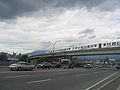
(88, 66)
(21, 66)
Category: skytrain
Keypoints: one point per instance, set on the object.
(92, 46)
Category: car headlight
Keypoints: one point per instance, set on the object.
(41, 65)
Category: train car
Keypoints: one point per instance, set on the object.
(92, 46)
(111, 44)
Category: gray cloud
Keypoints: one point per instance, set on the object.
(88, 32)
(46, 44)
(93, 36)
(69, 40)
(111, 36)
(117, 37)
(109, 5)
(12, 8)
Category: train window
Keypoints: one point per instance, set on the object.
(95, 45)
(88, 46)
(109, 43)
(113, 43)
(100, 45)
(69, 48)
(92, 46)
(75, 47)
(117, 43)
(104, 44)
(81, 46)
(84, 46)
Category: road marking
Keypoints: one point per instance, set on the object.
(17, 76)
(108, 83)
(45, 80)
(101, 81)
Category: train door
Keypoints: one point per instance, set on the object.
(100, 45)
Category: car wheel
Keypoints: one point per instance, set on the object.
(12, 69)
(19, 68)
(38, 67)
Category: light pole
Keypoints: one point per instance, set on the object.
(54, 47)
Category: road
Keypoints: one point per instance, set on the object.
(61, 79)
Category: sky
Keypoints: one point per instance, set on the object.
(29, 25)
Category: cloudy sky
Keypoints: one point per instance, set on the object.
(28, 25)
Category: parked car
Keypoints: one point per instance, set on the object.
(21, 66)
(44, 65)
(56, 65)
(68, 66)
(88, 66)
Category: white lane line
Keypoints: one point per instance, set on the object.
(17, 76)
(108, 83)
(101, 81)
(45, 80)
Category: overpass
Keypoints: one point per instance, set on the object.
(87, 52)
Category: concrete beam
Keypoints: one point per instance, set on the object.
(101, 51)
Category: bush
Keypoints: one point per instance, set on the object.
(43, 59)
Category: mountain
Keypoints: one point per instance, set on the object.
(37, 52)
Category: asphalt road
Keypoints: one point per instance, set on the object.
(61, 79)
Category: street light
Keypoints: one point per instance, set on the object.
(55, 44)
(54, 47)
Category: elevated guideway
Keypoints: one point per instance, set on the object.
(98, 51)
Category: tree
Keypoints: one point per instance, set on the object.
(24, 58)
(3, 56)
(43, 59)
